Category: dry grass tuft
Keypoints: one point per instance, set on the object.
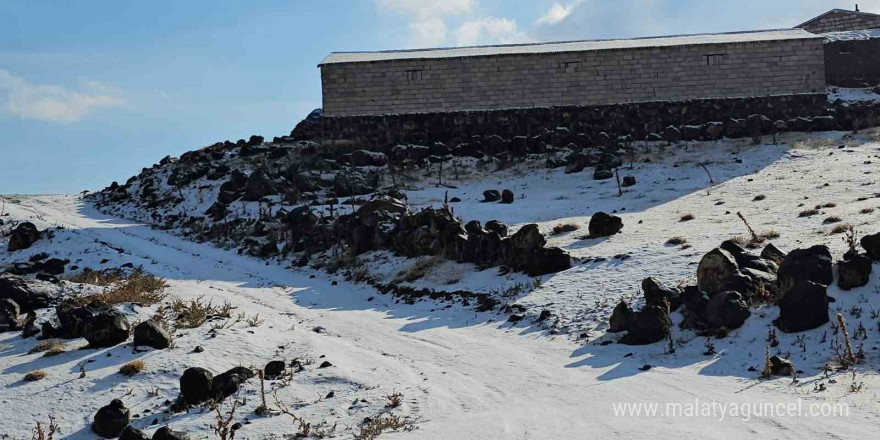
(840, 229)
(120, 288)
(756, 241)
(832, 219)
(50, 347)
(676, 241)
(34, 376)
(419, 269)
(194, 313)
(394, 400)
(132, 368)
(866, 211)
(808, 213)
(687, 218)
(373, 427)
(564, 228)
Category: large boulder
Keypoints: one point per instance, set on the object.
(619, 317)
(110, 420)
(9, 315)
(132, 433)
(507, 196)
(658, 294)
(853, 271)
(151, 334)
(727, 310)
(871, 244)
(715, 268)
(23, 236)
(196, 385)
(29, 294)
(274, 369)
(258, 186)
(491, 195)
(166, 433)
(364, 158)
(803, 306)
(106, 329)
(226, 384)
(647, 326)
(355, 182)
(812, 264)
(547, 260)
(604, 225)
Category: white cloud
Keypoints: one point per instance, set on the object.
(557, 13)
(427, 26)
(489, 30)
(51, 102)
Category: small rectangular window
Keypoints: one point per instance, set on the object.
(714, 59)
(569, 66)
(414, 75)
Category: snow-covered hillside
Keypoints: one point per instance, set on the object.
(467, 374)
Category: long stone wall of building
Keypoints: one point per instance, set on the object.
(599, 77)
(837, 20)
(694, 119)
(853, 63)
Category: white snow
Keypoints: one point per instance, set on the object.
(468, 375)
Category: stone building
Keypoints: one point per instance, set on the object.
(838, 20)
(580, 73)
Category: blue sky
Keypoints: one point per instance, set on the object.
(92, 91)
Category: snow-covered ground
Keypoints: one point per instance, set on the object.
(850, 94)
(468, 375)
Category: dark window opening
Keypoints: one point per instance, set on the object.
(414, 75)
(569, 66)
(714, 59)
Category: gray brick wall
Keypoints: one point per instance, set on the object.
(577, 78)
(842, 21)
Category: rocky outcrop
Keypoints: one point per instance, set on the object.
(604, 225)
(23, 236)
(196, 385)
(804, 276)
(151, 334)
(110, 420)
(28, 293)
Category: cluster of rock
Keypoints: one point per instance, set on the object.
(730, 279)
(197, 386)
(23, 236)
(386, 223)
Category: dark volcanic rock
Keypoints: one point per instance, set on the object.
(617, 322)
(604, 225)
(258, 186)
(27, 293)
(658, 294)
(803, 306)
(274, 369)
(23, 236)
(196, 385)
(106, 329)
(151, 334)
(714, 269)
(491, 195)
(853, 271)
(781, 367)
(507, 196)
(727, 310)
(132, 433)
(871, 244)
(812, 264)
(226, 384)
(9, 315)
(111, 419)
(166, 433)
(651, 324)
(364, 158)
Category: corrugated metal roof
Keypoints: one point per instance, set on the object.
(836, 11)
(569, 46)
(865, 34)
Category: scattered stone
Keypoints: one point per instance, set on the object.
(165, 433)
(491, 195)
(602, 173)
(714, 269)
(226, 384)
(151, 334)
(658, 294)
(132, 433)
(23, 236)
(110, 420)
(196, 385)
(619, 317)
(274, 369)
(871, 244)
(106, 329)
(9, 313)
(780, 366)
(364, 158)
(647, 326)
(258, 186)
(772, 253)
(628, 181)
(325, 364)
(727, 310)
(604, 225)
(803, 306)
(507, 196)
(27, 293)
(853, 271)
